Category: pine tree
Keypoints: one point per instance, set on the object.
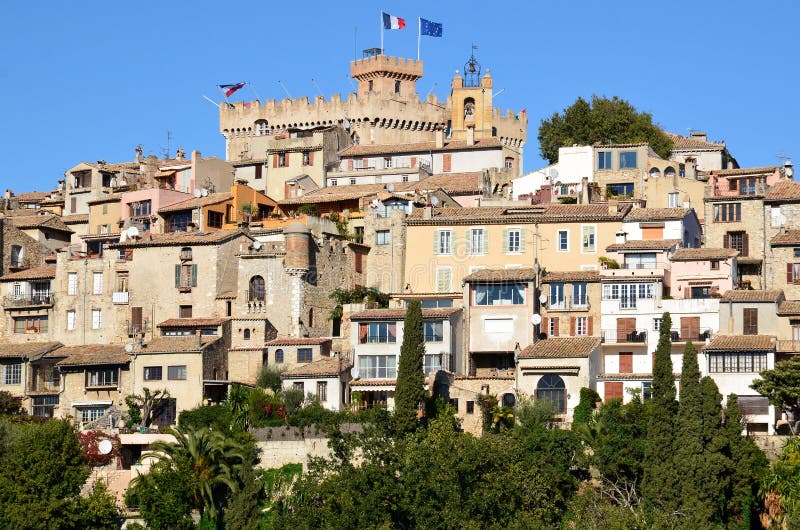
(410, 387)
(660, 483)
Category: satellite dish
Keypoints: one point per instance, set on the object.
(204, 192)
(256, 245)
(542, 298)
(354, 372)
(434, 200)
(536, 319)
(129, 347)
(375, 203)
(197, 193)
(133, 232)
(105, 447)
(390, 187)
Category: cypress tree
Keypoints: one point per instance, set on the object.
(410, 387)
(660, 483)
(714, 463)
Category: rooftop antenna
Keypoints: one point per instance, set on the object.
(165, 152)
(783, 157)
(253, 88)
(431, 90)
(284, 89)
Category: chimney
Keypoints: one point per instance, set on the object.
(585, 198)
(427, 213)
(699, 135)
(439, 138)
(621, 237)
(199, 338)
(470, 135)
(613, 207)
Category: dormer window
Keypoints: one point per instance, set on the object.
(186, 254)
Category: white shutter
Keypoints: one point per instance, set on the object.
(444, 279)
(97, 319)
(71, 320)
(72, 283)
(97, 283)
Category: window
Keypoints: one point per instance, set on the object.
(737, 241)
(257, 292)
(299, 385)
(12, 374)
(34, 324)
(579, 298)
(581, 326)
(444, 280)
(556, 296)
(377, 366)
(714, 264)
(434, 303)
(432, 331)
(322, 390)
(509, 162)
(215, 219)
(306, 158)
(377, 332)
(246, 334)
(44, 406)
(647, 390)
(604, 160)
(508, 294)
(381, 237)
(620, 190)
(186, 275)
(283, 159)
(627, 160)
(749, 321)
(176, 373)
(179, 222)
(71, 320)
(140, 208)
(97, 283)
(727, 212)
(673, 200)
(646, 260)
(370, 85)
(477, 241)
(551, 388)
(552, 327)
(737, 362)
(387, 162)
(432, 363)
(72, 283)
(102, 377)
(97, 318)
(470, 407)
(333, 182)
(563, 240)
(656, 324)
(701, 291)
(352, 181)
(588, 243)
(513, 240)
(444, 242)
(397, 87)
(90, 414)
(279, 355)
(304, 355)
(152, 373)
(184, 311)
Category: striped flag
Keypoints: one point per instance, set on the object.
(229, 90)
(393, 22)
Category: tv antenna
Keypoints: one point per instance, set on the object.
(165, 151)
(783, 157)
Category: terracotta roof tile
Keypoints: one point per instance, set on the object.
(452, 183)
(789, 237)
(174, 344)
(762, 170)
(332, 366)
(571, 276)
(502, 275)
(301, 341)
(741, 343)
(113, 197)
(784, 190)
(28, 350)
(76, 218)
(789, 307)
(657, 214)
(741, 295)
(644, 244)
(634, 144)
(339, 193)
(91, 354)
(214, 198)
(191, 322)
(53, 222)
(684, 142)
(32, 196)
(561, 347)
(180, 238)
(420, 147)
(702, 254)
(44, 272)
(400, 314)
(548, 213)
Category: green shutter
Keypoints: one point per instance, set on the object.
(505, 239)
(435, 241)
(468, 238)
(177, 275)
(194, 275)
(522, 235)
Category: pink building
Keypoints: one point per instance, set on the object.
(703, 272)
(140, 207)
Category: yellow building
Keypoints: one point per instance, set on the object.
(446, 244)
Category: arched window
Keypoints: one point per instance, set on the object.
(655, 172)
(509, 400)
(469, 108)
(256, 289)
(16, 256)
(246, 334)
(669, 172)
(262, 127)
(551, 388)
(279, 355)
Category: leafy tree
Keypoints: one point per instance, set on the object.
(244, 506)
(356, 295)
(410, 387)
(782, 386)
(293, 399)
(9, 403)
(618, 437)
(147, 402)
(164, 496)
(583, 412)
(660, 483)
(269, 378)
(98, 510)
(781, 489)
(309, 209)
(601, 121)
(748, 465)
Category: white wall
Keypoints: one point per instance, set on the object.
(574, 163)
(533, 181)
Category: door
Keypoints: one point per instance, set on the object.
(625, 328)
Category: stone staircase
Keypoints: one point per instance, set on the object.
(116, 480)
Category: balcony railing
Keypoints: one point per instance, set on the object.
(31, 300)
(699, 336)
(615, 336)
(119, 297)
(44, 386)
(569, 304)
(648, 265)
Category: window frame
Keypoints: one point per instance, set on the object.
(12, 374)
(102, 377)
(510, 235)
(562, 237)
(624, 159)
(305, 355)
(174, 372)
(149, 373)
(588, 230)
(382, 237)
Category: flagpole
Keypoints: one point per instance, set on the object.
(382, 33)
(419, 34)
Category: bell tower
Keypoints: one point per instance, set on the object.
(388, 77)
(471, 97)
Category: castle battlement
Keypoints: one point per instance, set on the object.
(399, 66)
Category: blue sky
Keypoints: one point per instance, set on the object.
(90, 80)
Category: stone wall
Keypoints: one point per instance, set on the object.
(11, 235)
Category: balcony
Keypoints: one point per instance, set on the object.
(569, 304)
(620, 336)
(30, 301)
(745, 190)
(694, 336)
(119, 297)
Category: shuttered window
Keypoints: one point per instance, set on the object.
(690, 328)
(625, 328)
(444, 280)
(750, 321)
(625, 363)
(613, 390)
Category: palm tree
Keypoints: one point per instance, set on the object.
(214, 461)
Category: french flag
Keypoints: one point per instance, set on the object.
(229, 90)
(393, 22)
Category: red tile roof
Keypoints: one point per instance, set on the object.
(32, 196)
(400, 314)
(301, 341)
(91, 354)
(789, 307)
(192, 322)
(741, 343)
(44, 272)
(571, 276)
(181, 238)
(326, 367)
(644, 244)
(548, 213)
(657, 214)
(703, 254)
(561, 347)
(54, 222)
(784, 190)
(742, 295)
(76, 218)
(762, 170)
(502, 275)
(690, 142)
(453, 183)
(174, 344)
(27, 350)
(214, 198)
(787, 238)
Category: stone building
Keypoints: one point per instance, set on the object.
(18, 250)
(696, 150)
(48, 229)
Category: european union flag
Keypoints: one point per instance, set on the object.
(429, 28)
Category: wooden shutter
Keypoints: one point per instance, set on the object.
(413, 162)
(625, 326)
(485, 241)
(571, 326)
(259, 168)
(177, 275)
(522, 233)
(690, 328)
(626, 363)
(136, 319)
(726, 241)
(789, 271)
(274, 159)
(745, 245)
(505, 239)
(468, 239)
(750, 324)
(446, 162)
(128, 254)
(613, 390)
(350, 165)
(556, 331)
(435, 242)
(359, 261)
(652, 233)
(194, 276)
(589, 330)
(311, 158)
